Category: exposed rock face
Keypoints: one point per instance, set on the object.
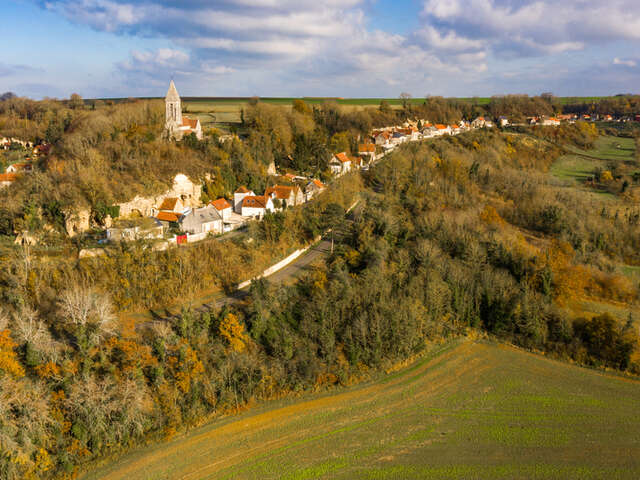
(77, 222)
(271, 170)
(183, 188)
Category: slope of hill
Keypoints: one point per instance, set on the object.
(471, 410)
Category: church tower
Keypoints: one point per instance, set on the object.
(173, 110)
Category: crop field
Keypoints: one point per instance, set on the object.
(469, 410)
(217, 111)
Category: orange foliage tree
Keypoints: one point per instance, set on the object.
(233, 331)
(8, 360)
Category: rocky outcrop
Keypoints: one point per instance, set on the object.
(77, 222)
(183, 188)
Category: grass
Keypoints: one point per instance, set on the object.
(473, 410)
(579, 165)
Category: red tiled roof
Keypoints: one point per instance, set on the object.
(242, 189)
(168, 203)
(282, 192)
(440, 126)
(318, 183)
(188, 122)
(366, 148)
(220, 204)
(255, 201)
(168, 216)
(8, 177)
(342, 156)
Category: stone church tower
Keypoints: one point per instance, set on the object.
(175, 126)
(173, 110)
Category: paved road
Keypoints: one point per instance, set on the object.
(284, 276)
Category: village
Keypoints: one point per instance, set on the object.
(178, 216)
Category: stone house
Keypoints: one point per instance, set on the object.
(202, 220)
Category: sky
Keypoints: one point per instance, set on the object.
(339, 48)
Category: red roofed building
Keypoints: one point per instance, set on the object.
(340, 164)
(289, 196)
(238, 196)
(223, 207)
(256, 206)
(19, 168)
(7, 179)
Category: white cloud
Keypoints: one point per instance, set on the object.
(626, 63)
(537, 27)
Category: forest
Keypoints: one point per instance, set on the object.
(455, 236)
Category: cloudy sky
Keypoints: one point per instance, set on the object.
(348, 48)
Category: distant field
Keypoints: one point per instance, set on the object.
(580, 164)
(473, 410)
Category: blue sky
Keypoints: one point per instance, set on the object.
(349, 48)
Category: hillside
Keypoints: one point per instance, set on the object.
(473, 410)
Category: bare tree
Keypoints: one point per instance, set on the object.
(89, 313)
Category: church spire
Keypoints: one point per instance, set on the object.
(172, 93)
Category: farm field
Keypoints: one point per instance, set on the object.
(227, 109)
(470, 410)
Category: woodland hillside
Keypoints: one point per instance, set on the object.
(451, 236)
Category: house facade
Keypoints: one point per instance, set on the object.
(289, 196)
(257, 206)
(202, 220)
(238, 196)
(223, 207)
(340, 164)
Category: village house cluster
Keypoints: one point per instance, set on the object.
(178, 215)
(26, 165)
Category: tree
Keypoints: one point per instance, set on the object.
(301, 106)
(332, 218)
(75, 101)
(233, 332)
(405, 97)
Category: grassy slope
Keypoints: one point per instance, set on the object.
(474, 410)
(580, 164)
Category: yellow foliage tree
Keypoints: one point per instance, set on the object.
(233, 332)
(490, 216)
(8, 361)
(606, 176)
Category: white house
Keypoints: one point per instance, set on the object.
(503, 121)
(340, 164)
(443, 129)
(202, 220)
(478, 122)
(288, 196)
(257, 206)
(551, 121)
(367, 151)
(19, 168)
(222, 207)
(238, 196)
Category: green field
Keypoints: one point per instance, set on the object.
(579, 165)
(471, 410)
